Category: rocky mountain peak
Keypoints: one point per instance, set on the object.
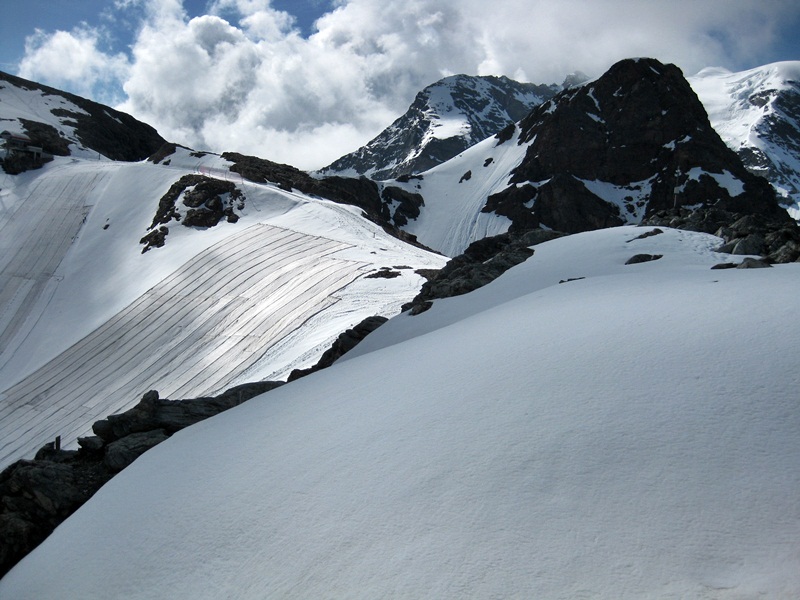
(623, 147)
(445, 118)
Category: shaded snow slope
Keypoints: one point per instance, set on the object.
(757, 114)
(628, 435)
(88, 323)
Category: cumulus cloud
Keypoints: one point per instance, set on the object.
(74, 60)
(243, 78)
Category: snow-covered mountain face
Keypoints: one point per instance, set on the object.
(757, 113)
(625, 147)
(63, 124)
(445, 118)
(179, 274)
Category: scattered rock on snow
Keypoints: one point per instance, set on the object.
(753, 263)
(640, 258)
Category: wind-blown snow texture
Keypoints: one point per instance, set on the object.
(631, 434)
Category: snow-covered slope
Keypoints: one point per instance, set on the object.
(88, 322)
(632, 434)
(445, 118)
(67, 125)
(757, 113)
(455, 192)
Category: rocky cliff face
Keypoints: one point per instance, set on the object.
(634, 142)
(445, 118)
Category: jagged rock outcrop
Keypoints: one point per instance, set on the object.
(445, 118)
(355, 191)
(37, 495)
(205, 205)
(776, 239)
(617, 150)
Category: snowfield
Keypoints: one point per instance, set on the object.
(88, 323)
(631, 434)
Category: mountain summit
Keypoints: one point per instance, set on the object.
(618, 150)
(634, 142)
(445, 118)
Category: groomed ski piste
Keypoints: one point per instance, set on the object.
(629, 433)
(89, 323)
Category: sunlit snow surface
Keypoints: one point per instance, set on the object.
(632, 434)
(741, 107)
(88, 323)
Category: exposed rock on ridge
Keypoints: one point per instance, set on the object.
(112, 133)
(481, 263)
(361, 192)
(632, 143)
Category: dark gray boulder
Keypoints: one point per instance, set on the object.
(121, 453)
(642, 258)
(753, 263)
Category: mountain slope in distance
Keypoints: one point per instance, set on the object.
(445, 118)
(64, 124)
(757, 113)
(626, 146)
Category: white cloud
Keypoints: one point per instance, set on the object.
(73, 60)
(243, 78)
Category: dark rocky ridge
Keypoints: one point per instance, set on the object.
(639, 125)
(343, 344)
(361, 192)
(37, 495)
(110, 132)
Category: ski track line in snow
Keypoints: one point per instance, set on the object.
(34, 240)
(190, 335)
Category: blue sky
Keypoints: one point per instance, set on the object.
(22, 17)
(305, 81)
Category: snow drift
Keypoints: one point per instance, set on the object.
(629, 434)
